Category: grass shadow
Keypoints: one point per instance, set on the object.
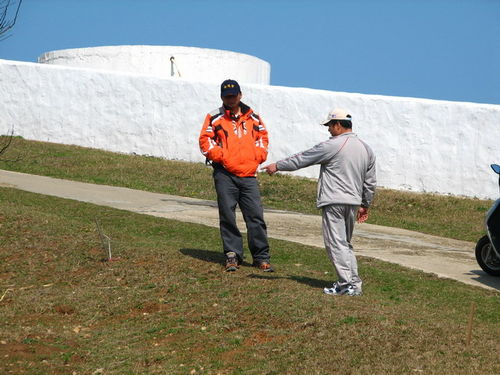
(208, 256)
(205, 255)
(315, 283)
(219, 258)
(266, 276)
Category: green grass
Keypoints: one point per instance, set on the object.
(445, 216)
(166, 306)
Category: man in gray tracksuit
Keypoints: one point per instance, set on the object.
(346, 187)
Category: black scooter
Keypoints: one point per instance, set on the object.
(488, 247)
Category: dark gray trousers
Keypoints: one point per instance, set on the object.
(244, 192)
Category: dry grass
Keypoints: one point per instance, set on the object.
(166, 307)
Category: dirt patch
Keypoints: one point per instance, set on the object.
(64, 309)
(32, 350)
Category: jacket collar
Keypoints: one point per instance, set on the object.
(346, 134)
(245, 110)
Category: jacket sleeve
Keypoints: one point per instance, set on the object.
(316, 155)
(370, 182)
(261, 140)
(208, 143)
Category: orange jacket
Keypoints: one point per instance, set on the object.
(238, 144)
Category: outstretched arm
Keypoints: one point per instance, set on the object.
(270, 169)
(315, 155)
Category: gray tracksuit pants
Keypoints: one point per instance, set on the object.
(338, 225)
(244, 192)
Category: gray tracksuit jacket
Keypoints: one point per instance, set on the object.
(347, 173)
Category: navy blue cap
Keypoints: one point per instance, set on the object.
(229, 87)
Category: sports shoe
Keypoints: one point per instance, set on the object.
(263, 265)
(352, 291)
(336, 290)
(231, 262)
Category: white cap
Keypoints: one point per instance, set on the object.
(337, 114)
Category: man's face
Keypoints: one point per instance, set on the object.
(333, 128)
(231, 101)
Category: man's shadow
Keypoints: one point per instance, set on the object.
(205, 255)
(209, 256)
(219, 258)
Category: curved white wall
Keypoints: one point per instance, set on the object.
(200, 64)
(421, 145)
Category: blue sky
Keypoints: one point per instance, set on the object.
(438, 49)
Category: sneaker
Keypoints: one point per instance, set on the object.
(352, 291)
(336, 290)
(263, 265)
(231, 262)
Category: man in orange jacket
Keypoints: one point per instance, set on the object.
(234, 139)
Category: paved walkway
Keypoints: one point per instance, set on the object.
(442, 256)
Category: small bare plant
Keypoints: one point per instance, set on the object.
(5, 144)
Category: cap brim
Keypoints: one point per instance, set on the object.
(230, 92)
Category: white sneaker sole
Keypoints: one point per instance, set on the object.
(334, 292)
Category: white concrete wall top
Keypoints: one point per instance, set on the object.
(421, 145)
(199, 64)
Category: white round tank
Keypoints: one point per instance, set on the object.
(200, 64)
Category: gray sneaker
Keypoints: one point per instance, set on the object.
(352, 291)
(232, 263)
(335, 290)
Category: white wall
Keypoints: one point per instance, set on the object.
(202, 64)
(421, 145)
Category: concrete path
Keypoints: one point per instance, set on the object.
(441, 256)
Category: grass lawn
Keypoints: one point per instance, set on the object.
(167, 307)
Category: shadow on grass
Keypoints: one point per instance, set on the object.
(205, 255)
(218, 257)
(315, 283)
(208, 255)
